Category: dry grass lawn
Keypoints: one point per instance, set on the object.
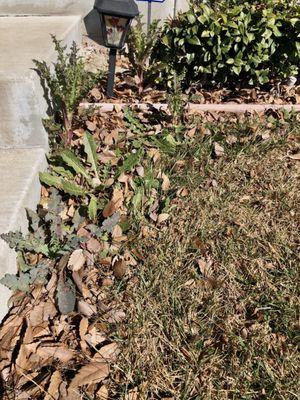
(215, 312)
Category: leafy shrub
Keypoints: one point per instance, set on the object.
(140, 47)
(251, 43)
(65, 85)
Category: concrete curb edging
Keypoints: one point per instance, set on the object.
(227, 108)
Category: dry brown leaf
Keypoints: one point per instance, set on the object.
(47, 354)
(93, 245)
(132, 395)
(91, 126)
(76, 260)
(140, 171)
(93, 372)
(119, 239)
(203, 265)
(166, 182)
(219, 150)
(111, 137)
(77, 280)
(53, 389)
(64, 214)
(153, 216)
(105, 261)
(86, 309)
(108, 157)
(231, 139)
(117, 108)
(191, 132)
(71, 211)
(117, 231)
(102, 393)
(183, 192)
(118, 198)
(9, 336)
(129, 258)
(82, 232)
(109, 209)
(26, 350)
(119, 269)
(123, 178)
(162, 218)
(83, 327)
(33, 333)
(108, 353)
(96, 93)
(52, 284)
(94, 337)
(294, 156)
(116, 316)
(41, 312)
(115, 203)
(107, 282)
(154, 154)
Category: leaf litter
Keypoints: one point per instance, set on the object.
(78, 265)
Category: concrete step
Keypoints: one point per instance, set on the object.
(21, 96)
(20, 189)
(46, 7)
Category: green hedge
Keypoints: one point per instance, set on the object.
(251, 43)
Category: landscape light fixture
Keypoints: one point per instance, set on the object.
(115, 19)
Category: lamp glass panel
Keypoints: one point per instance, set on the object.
(115, 27)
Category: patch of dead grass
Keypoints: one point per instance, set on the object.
(214, 315)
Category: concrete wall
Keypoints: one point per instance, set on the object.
(84, 8)
(162, 10)
(81, 7)
(21, 40)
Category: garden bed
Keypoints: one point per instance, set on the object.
(173, 271)
(126, 91)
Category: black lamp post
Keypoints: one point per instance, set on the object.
(115, 18)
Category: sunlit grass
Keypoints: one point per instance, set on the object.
(214, 315)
